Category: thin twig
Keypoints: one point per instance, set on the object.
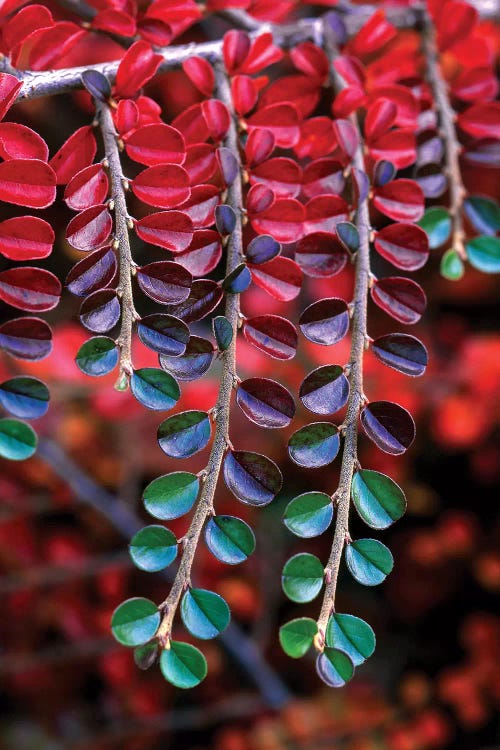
(205, 506)
(451, 143)
(121, 242)
(356, 394)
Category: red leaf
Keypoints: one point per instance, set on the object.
(310, 60)
(372, 36)
(87, 188)
(323, 213)
(300, 91)
(30, 289)
(26, 338)
(406, 246)
(259, 146)
(282, 175)
(216, 116)
(281, 119)
(9, 89)
(162, 186)
(24, 22)
(351, 69)
(27, 182)
(235, 47)
(201, 162)
(399, 297)
(192, 125)
(244, 93)
(456, 21)
(397, 146)
(401, 200)
(43, 48)
(323, 176)
(156, 144)
(259, 198)
(115, 22)
(283, 220)
(203, 253)
(90, 229)
(262, 54)
(321, 255)
(405, 101)
(200, 207)
(380, 117)
(126, 116)
(19, 142)
(279, 277)
(178, 14)
(166, 282)
(149, 111)
(317, 138)
(26, 238)
(478, 84)
(172, 230)
(200, 73)
(348, 101)
(75, 154)
(273, 335)
(154, 31)
(481, 120)
(136, 68)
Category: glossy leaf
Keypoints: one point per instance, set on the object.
(403, 353)
(225, 219)
(172, 495)
(309, 515)
(251, 477)
(184, 434)
(135, 622)
(95, 271)
(401, 200)
(406, 246)
(96, 84)
(97, 356)
(26, 238)
(87, 188)
(203, 253)
(195, 362)
(183, 665)
(321, 255)
(26, 338)
(18, 440)
(351, 635)
(153, 548)
(165, 281)
(100, 311)
(265, 402)
(391, 427)
(156, 144)
(24, 397)
(145, 656)
(401, 298)
(314, 445)
(76, 153)
(452, 266)
(280, 277)
(262, 249)
(369, 561)
(29, 288)
(223, 332)
(164, 334)
(273, 335)
(348, 235)
(302, 577)
(325, 322)
(377, 498)
(325, 390)
(27, 182)
(204, 613)
(229, 539)
(162, 186)
(155, 388)
(436, 223)
(334, 667)
(483, 213)
(484, 253)
(297, 636)
(204, 297)
(172, 230)
(90, 229)
(238, 280)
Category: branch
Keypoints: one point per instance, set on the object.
(452, 145)
(355, 375)
(121, 243)
(205, 506)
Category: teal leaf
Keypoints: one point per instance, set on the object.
(309, 515)
(204, 613)
(223, 332)
(484, 254)
(97, 356)
(183, 665)
(334, 667)
(135, 622)
(302, 577)
(184, 434)
(483, 213)
(153, 548)
(352, 635)
(155, 388)
(452, 265)
(369, 561)
(229, 539)
(436, 222)
(18, 441)
(296, 637)
(377, 498)
(172, 495)
(25, 397)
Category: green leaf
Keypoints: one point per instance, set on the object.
(296, 636)
(145, 656)
(378, 500)
(309, 514)
(334, 667)
(348, 235)
(452, 265)
(230, 539)
(352, 635)
(155, 388)
(18, 440)
(135, 622)
(172, 495)
(223, 332)
(183, 665)
(483, 213)
(484, 254)
(97, 356)
(204, 613)
(302, 577)
(153, 548)
(369, 561)
(437, 223)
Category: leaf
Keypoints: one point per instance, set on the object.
(401, 200)
(135, 622)
(314, 445)
(164, 334)
(96, 84)
(377, 498)
(172, 495)
(204, 613)
(183, 665)
(137, 67)
(436, 223)
(297, 636)
(302, 577)
(282, 119)
(325, 322)
(483, 213)
(20, 142)
(26, 338)
(18, 441)
(95, 271)
(155, 388)
(404, 245)
(452, 265)
(351, 635)
(481, 120)
(87, 188)
(251, 477)
(204, 297)
(203, 254)
(273, 335)
(200, 73)
(162, 186)
(484, 253)
(97, 356)
(165, 281)
(348, 235)
(24, 397)
(385, 171)
(145, 656)
(321, 255)
(223, 332)
(225, 219)
(153, 548)
(280, 277)
(27, 182)
(334, 667)
(29, 288)
(229, 539)
(195, 361)
(90, 229)
(391, 427)
(228, 165)
(238, 280)
(369, 561)
(309, 514)
(76, 153)
(325, 390)
(9, 89)
(26, 238)
(282, 175)
(402, 352)
(283, 218)
(265, 402)
(100, 311)
(401, 298)
(323, 176)
(172, 230)
(156, 144)
(184, 434)
(262, 249)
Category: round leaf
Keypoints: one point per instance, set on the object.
(204, 613)
(325, 322)
(251, 477)
(403, 353)
(183, 665)
(184, 434)
(230, 539)
(352, 635)
(377, 498)
(135, 622)
(97, 356)
(195, 361)
(172, 495)
(223, 332)
(309, 514)
(302, 577)
(452, 265)
(25, 397)
(164, 334)
(325, 390)
(296, 637)
(391, 427)
(153, 548)
(436, 222)
(155, 388)
(265, 402)
(484, 253)
(18, 440)
(369, 561)
(314, 445)
(272, 334)
(334, 667)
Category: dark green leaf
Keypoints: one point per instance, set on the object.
(183, 665)
(204, 613)
(18, 440)
(309, 514)
(172, 495)
(484, 254)
(334, 667)
(25, 397)
(452, 265)
(378, 500)
(314, 445)
(97, 356)
(153, 548)
(352, 635)
(230, 539)
(223, 332)
(135, 622)
(145, 656)
(296, 637)
(302, 577)
(155, 388)
(437, 223)
(369, 561)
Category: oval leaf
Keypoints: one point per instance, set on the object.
(153, 548)
(204, 613)
(229, 539)
(185, 434)
(314, 445)
(377, 498)
(251, 477)
(135, 622)
(369, 561)
(172, 495)
(265, 402)
(309, 515)
(302, 577)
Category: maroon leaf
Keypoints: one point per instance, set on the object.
(391, 427)
(406, 246)
(87, 188)
(165, 282)
(401, 298)
(204, 297)
(27, 182)
(281, 119)
(90, 229)
(260, 198)
(323, 176)
(156, 144)
(272, 334)
(482, 120)
(201, 205)
(380, 117)
(26, 238)
(283, 220)
(26, 338)
(95, 271)
(265, 402)
(217, 119)
(397, 146)
(162, 186)
(252, 478)
(283, 176)
(401, 200)
(172, 230)
(100, 311)
(402, 352)
(203, 254)
(30, 289)
(325, 322)
(279, 277)
(201, 162)
(323, 213)
(321, 255)
(9, 89)
(325, 390)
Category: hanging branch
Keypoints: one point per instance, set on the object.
(355, 373)
(122, 241)
(205, 506)
(451, 143)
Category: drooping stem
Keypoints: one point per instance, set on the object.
(355, 376)
(205, 505)
(451, 143)
(121, 242)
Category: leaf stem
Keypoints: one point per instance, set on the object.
(121, 244)
(205, 506)
(449, 133)
(355, 376)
